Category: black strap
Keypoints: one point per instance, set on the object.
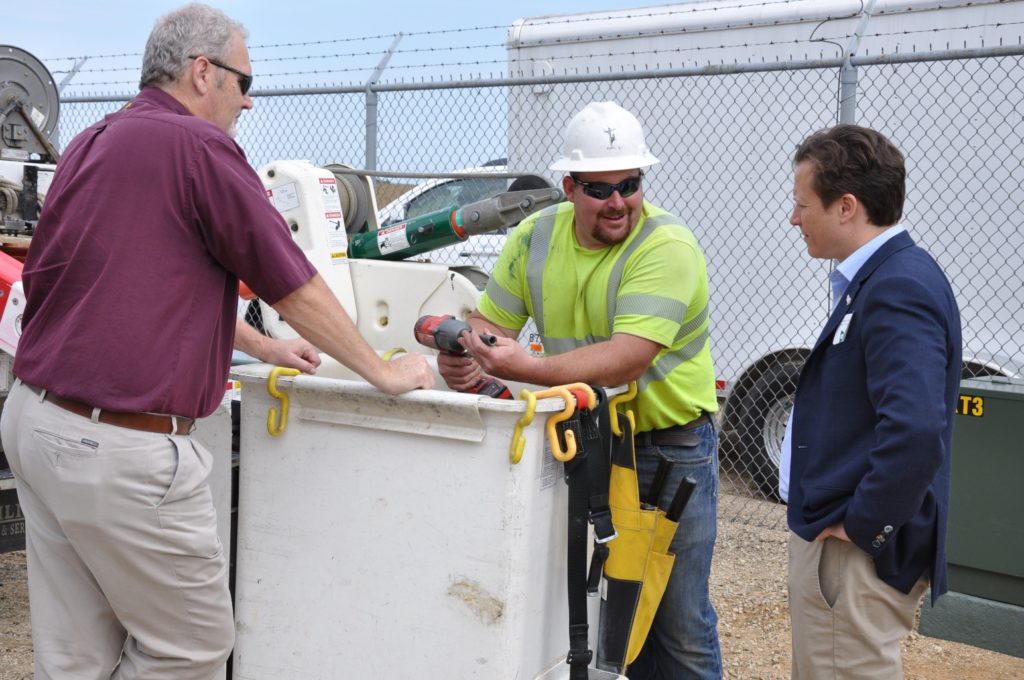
(599, 462)
(576, 573)
(587, 477)
(597, 568)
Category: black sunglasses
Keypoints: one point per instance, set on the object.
(244, 79)
(602, 191)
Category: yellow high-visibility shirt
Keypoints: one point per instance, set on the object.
(653, 285)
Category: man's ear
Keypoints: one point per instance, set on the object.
(848, 207)
(568, 187)
(201, 75)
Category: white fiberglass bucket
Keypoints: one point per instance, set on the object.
(391, 537)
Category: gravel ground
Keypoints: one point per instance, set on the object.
(748, 587)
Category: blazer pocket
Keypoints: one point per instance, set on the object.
(823, 500)
(844, 347)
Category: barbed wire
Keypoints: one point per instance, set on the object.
(525, 63)
(538, 21)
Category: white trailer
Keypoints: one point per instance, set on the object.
(726, 90)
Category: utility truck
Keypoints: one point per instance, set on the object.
(726, 91)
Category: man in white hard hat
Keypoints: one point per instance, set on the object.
(618, 289)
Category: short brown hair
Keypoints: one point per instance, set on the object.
(849, 159)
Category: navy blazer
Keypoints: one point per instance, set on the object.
(873, 426)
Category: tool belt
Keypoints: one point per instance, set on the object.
(147, 422)
(677, 435)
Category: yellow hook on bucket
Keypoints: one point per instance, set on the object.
(615, 401)
(274, 427)
(516, 448)
(570, 436)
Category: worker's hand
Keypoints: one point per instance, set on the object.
(506, 359)
(836, 531)
(460, 373)
(297, 353)
(404, 373)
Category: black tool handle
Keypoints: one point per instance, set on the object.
(682, 497)
(658, 483)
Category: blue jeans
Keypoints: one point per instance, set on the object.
(683, 642)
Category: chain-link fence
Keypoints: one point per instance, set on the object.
(725, 140)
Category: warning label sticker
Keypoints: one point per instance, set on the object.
(552, 471)
(284, 197)
(337, 239)
(391, 239)
(332, 201)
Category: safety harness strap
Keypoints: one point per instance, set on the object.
(580, 654)
(600, 475)
(587, 476)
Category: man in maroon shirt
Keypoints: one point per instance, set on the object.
(131, 284)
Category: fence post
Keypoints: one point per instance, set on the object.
(371, 105)
(848, 93)
(848, 73)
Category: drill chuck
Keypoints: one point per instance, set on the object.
(442, 332)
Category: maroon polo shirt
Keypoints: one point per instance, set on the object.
(132, 276)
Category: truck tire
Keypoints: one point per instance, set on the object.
(766, 410)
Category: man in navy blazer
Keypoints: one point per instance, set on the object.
(870, 436)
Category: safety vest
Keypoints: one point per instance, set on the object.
(679, 383)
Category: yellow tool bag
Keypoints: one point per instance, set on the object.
(639, 564)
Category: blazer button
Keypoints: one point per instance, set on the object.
(876, 543)
(888, 529)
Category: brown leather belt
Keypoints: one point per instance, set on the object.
(147, 422)
(677, 435)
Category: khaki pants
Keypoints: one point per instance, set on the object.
(127, 577)
(847, 623)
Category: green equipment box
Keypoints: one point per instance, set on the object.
(985, 603)
(986, 518)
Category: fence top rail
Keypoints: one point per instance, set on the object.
(708, 70)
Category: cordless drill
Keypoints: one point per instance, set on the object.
(442, 332)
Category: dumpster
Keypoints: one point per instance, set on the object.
(392, 537)
(985, 605)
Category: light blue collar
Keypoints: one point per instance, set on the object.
(851, 265)
(847, 269)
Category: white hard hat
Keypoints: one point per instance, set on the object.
(602, 137)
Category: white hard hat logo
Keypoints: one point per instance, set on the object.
(611, 138)
(603, 137)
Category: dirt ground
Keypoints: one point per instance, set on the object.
(748, 587)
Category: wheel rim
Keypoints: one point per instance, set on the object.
(774, 430)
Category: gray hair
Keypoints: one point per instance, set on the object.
(193, 30)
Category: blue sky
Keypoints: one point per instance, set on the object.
(57, 30)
